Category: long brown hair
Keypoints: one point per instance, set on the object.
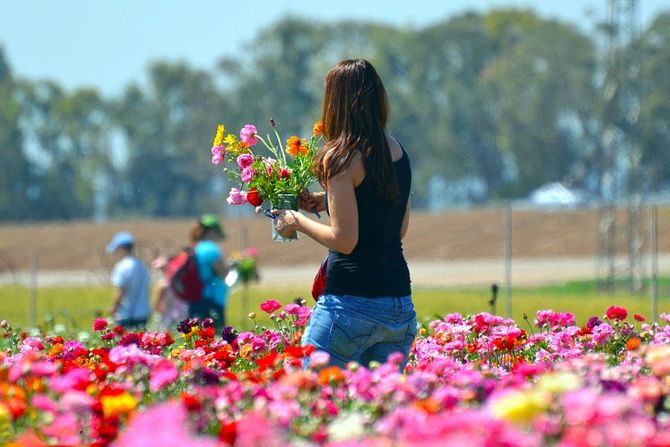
(354, 118)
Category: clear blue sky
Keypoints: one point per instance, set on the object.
(108, 43)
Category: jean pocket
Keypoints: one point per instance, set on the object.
(350, 335)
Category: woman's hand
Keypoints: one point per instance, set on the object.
(287, 222)
(313, 202)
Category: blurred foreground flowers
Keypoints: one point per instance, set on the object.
(475, 380)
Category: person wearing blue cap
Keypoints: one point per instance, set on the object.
(131, 279)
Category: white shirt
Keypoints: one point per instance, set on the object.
(131, 274)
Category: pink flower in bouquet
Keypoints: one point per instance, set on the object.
(218, 153)
(248, 134)
(616, 313)
(270, 306)
(245, 160)
(247, 174)
(236, 197)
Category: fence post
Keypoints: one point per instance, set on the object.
(508, 260)
(244, 305)
(654, 262)
(32, 310)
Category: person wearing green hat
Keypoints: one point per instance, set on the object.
(212, 268)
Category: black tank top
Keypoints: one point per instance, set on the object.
(376, 267)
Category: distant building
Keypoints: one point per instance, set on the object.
(555, 194)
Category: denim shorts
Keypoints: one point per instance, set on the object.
(360, 329)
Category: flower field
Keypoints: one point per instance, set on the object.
(475, 380)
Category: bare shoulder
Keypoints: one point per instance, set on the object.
(394, 148)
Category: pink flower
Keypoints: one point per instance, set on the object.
(217, 154)
(236, 197)
(248, 134)
(318, 359)
(292, 309)
(270, 306)
(245, 160)
(162, 375)
(99, 324)
(141, 429)
(76, 402)
(247, 174)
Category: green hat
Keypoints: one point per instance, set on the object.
(211, 222)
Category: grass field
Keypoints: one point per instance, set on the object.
(76, 307)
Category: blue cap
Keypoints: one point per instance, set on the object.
(120, 239)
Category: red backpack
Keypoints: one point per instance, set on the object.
(183, 276)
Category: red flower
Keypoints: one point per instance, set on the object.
(639, 318)
(99, 324)
(616, 313)
(254, 197)
(270, 306)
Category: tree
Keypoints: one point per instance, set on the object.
(168, 132)
(15, 168)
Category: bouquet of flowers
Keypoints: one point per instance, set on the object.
(279, 176)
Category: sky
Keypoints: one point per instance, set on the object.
(109, 43)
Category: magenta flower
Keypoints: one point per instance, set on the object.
(217, 154)
(270, 306)
(236, 197)
(245, 160)
(247, 174)
(99, 324)
(248, 134)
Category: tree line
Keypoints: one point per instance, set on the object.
(489, 105)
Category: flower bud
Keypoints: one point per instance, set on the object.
(252, 315)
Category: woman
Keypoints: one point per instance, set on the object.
(212, 269)
(169, 309)
(366, 310)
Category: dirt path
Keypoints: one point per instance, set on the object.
(483, 272)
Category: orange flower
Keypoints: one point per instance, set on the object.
(293, 146)
(633, 343)
(318, 129)
(427, 405)
(331, 374)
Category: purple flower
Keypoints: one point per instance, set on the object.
(593, 322)
(228, 334)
